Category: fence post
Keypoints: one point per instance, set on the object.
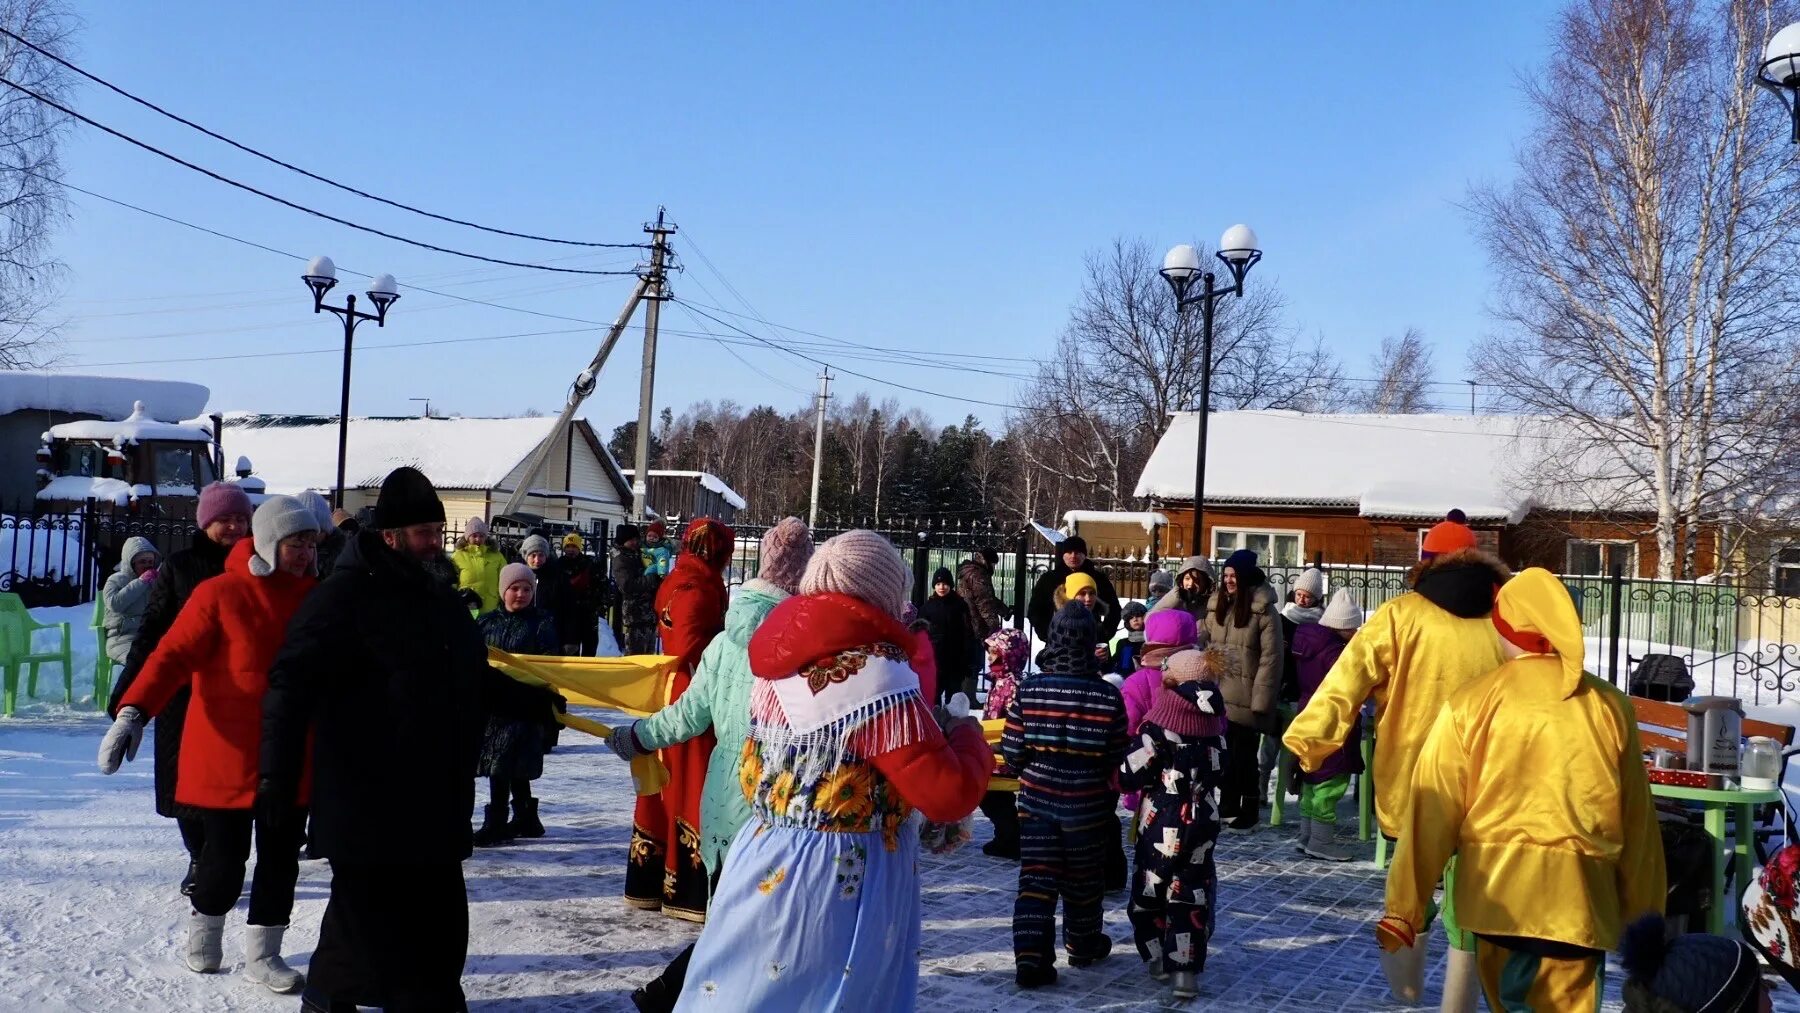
(921, 568)
(1616, 607)
(1021, 575)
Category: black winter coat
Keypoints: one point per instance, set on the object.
(385, 665)
(953, 642)
(176, 580)
(1043, 600)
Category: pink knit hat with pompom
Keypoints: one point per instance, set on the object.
(861, 564)
(786, 549)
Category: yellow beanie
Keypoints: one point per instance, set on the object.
(1535, 613)
(1076, 583)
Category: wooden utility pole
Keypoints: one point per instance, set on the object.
(655, 291)
(812, 516)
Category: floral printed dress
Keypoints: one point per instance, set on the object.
(818, 903)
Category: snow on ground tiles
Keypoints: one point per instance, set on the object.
(90, 919)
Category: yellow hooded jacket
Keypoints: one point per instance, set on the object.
(1533, 777)
(1411, 655)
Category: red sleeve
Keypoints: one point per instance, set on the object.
(944, 778)
(187, 647)
(924, 665)
(696, 615)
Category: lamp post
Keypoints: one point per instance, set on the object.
(321, 277)
(1780, 73)
(1181, 268)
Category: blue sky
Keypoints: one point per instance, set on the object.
(918, 176)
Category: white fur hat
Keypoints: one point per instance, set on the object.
(279, 517)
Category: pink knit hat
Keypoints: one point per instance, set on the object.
(861, 564)
(221, 499)
(786, 549)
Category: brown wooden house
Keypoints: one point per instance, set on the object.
(1298, 487)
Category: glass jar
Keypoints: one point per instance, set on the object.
(1760, 768)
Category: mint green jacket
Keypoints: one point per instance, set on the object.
(719, 699)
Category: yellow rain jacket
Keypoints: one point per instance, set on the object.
(1411, 655)
(1534, 779)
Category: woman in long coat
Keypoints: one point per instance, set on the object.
(1243, 619)
(665, 868)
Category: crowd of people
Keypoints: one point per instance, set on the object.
(817, 736)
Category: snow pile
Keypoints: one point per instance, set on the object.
(133, 428)
(296, 454)
(106, 396)
(32, 552)
(1147, 519)
(1410, 467)
(107, 490)
(707, 480)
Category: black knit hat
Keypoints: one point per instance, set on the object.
(942, 576)
(1070, 649)
(625, 533)
(407, 498)
(1073, 543)
(1693, 973)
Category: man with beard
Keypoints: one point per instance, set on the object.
(386, 669)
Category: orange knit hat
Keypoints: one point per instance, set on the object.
(1452, 534)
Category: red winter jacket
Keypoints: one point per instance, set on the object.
(221, 645)
(942, 776)
(690, 609)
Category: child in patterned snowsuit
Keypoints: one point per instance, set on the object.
(1065, 735)
(1177, 759)
(1007, 653)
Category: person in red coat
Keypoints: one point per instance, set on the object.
(665, 869)
(220, 647)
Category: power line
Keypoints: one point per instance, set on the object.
(146, 103)
(178, 160)
(335, 349)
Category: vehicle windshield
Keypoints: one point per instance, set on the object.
(181, 466)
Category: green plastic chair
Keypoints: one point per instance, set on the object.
(103, 663)
(16, 633)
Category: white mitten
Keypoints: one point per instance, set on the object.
(122, 739)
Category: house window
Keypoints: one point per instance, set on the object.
(1272, 548)
(1596, 558)
(1787, 571)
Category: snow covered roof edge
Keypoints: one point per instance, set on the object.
(109, 397)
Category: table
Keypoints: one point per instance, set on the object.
(1741, 804)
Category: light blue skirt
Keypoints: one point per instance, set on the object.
(809, 920)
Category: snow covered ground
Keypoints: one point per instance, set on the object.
(90, 919)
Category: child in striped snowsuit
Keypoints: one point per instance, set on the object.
(1065, 735)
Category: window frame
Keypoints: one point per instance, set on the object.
(1631, 565)
(1299, 535)
(1777, 567)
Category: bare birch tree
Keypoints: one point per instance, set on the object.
(1645, 257)
(1402, 377)
(32, 202)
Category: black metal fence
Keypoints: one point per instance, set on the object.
(63, 557)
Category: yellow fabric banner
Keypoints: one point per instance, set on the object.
(634, 685)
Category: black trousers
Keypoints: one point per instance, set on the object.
(1002, 810)
(193, 835)
(219, 881)
(500, 788)
(394, 936)
(1237, 795)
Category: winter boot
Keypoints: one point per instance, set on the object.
(1320, 842)
(1101, 949)
(1186, 983)
(263, 963)
(1405, 971)
(525, 819)
(1263, 776)
(1243, 823)
(1461, 982)
(494, 831)
(1157, 971)
(205, 944)
(318, 1002)
(1035, 975)
(187, 881)
(1305, 832)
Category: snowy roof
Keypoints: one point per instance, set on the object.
(1387, 466)
(109, 397)
(710, 482)
(292, 453)
(1149, 520)
(135, 427)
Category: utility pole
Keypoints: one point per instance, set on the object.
(655, 291)
(1471, 384)
(812, 516)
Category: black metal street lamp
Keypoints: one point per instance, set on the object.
(1181, 268)
(1780, 73)
(321, 277)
